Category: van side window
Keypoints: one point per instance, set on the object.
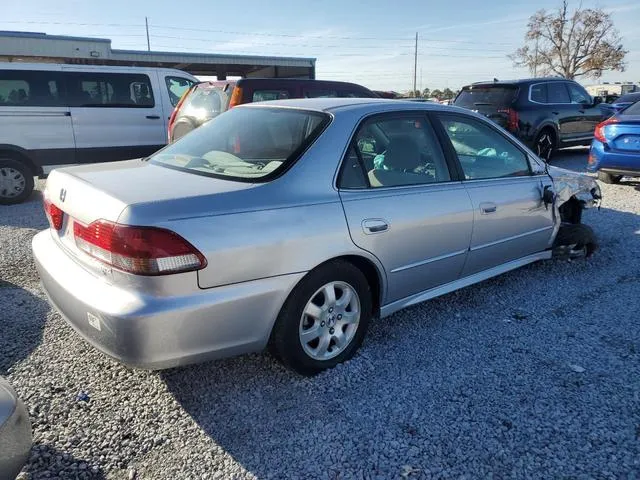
(176, 86)
(320, 93)
(29, 88)
(266, 95)
(128, 90)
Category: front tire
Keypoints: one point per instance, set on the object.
(16, 181)
(575, 240)
(605, 177)
(324, 320)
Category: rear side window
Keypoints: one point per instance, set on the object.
(129, 90)
(320, 93)
(557, 93)
(176, 86)
(246, 144)
(484, 95)
(267, 95)
(28, 88)
(538, 93)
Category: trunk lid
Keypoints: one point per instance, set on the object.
(494, 101)
(624, 136)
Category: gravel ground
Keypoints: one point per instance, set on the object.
(534, 374)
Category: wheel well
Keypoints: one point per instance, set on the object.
(571, 211)
(551, 130)
(372, 275)
(19, 156)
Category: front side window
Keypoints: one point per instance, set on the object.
(268, 95)
(29, 88)
(95, 89)
(557, 93)
(176, 86)
(578, 95)
(482, 151)
(245, 144)
(399, 151)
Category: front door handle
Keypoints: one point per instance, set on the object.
(153, 117)
(374, 225)
(488, 207)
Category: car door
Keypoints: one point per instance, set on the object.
(407, 207)
(565, 114)
(510, 220)
(115, 116)
(591, 114)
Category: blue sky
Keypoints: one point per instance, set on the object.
(366, 41)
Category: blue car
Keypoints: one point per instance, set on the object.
(609, 109)
(615, 150)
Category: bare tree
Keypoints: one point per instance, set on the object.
(571, 44)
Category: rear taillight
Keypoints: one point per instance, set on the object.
(598, 134)
(54, 214)
(512, 119)
(174, 114)
(138, 250)
(236, 97)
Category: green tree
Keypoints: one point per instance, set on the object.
(426, 93)
(571, 44)
(448, 94)
(437, 94)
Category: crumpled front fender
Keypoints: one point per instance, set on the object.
(569, 184)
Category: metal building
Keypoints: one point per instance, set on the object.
(40, 47)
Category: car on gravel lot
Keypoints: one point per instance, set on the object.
(205, 100)
(290, 224)
(544, 113)
(15, 432)
(615, 150)
(619, 104)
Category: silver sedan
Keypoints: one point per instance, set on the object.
(291, 224)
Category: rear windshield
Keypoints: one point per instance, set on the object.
(245, 144)
(204, 103)
(633, 109)
(485, 95)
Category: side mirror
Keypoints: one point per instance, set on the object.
(548, 195)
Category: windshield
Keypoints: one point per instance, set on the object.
(245, 143)
(203, 103)
(484, 95)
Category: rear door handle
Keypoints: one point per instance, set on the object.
(374, 225)
(153, 117)
(556, 113)
(488, 207)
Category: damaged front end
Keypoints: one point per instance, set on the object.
(572, 193)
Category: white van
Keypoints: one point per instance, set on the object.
(54, 114)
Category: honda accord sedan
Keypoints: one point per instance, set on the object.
(291, 224)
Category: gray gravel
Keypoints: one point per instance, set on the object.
(534, 374)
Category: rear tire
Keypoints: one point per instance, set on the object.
(605, 177)
(578, 237)
(315, 331)
(545, 144)
(16, 181)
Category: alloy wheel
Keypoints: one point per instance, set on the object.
(329, 320)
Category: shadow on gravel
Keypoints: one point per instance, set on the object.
(22, 318)
(45, 462)
(267, 417)
(28, 214)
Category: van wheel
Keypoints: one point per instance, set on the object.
(324, 320)
(545, 144)
(605, 177)
(16, 181)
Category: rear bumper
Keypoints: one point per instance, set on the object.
(156, 332)
(613, 162)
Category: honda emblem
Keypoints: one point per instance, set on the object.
(63, 194)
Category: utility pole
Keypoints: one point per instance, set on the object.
(146, 24)
(415, 66)
(535, 65)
